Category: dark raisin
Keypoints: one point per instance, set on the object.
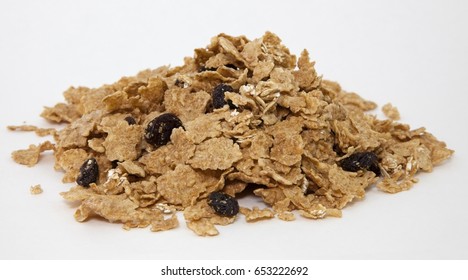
(159, 130)
(361, 161)
(130, 120)
(375, 168)
(89, 173)
(217, 96)
(223, 204)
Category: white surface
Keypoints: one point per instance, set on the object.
(410, 53)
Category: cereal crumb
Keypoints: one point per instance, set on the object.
(37, 189)
(39, 131)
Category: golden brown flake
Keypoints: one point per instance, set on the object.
(77, 193)
(121, 141)
(216, 153)
(391, 112)
(234, 187)
(133, 168)
(306, 76)
(185, 104)
(184, 185)
(96, 144)
(203, 227)
(61, 113)
(165, 224)
(255, 214)
(70, 161)
(30, 156)
(318, 211)
(286, 216)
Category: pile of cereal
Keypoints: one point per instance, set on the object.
(240, 116)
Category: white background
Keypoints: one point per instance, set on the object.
(410, 53)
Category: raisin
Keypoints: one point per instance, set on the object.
(223, 204)
(361, 161)
(130, 120)
(89, 173)
(375, 168)
(218, 96)
(159, 130)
